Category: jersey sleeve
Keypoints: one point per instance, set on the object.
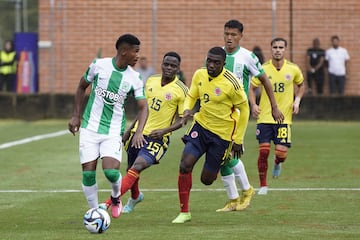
(193, 93)
(255, 81)
(241, 103)
(299, 78)
(255, 67)
(182, 95)
(91, 72)
(139, 92)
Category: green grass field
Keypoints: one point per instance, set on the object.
(316, 197)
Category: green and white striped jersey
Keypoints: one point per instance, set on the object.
(104, 112)
(244, 64)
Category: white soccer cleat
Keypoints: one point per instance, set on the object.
(263, 190)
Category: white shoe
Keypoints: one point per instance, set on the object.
(263, 191)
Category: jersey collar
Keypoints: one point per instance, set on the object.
(116, 67)
(234, 52)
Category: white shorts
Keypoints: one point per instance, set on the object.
(93, 145)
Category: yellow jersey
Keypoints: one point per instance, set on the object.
(282, 81)
(219, 97)
(163, 103)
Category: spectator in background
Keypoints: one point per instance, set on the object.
(144, 70)
(315, 67)
(8, 66)
(337, 58)
(258, 52)
(180, 74)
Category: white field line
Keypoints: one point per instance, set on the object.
(175, 190)
(63, 132)
(32, 139)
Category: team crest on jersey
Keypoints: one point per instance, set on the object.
(168, 96)
(194, 134)
(288, 77)
(125, 86)
(217, 91)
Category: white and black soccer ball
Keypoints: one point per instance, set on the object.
(97, 220)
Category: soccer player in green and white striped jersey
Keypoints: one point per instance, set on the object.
(244, 64)
(103, 120)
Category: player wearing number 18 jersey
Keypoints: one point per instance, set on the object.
(165, 95)
(284, 77)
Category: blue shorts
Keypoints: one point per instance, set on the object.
(199, 141)
(152, 151)
(280, 134)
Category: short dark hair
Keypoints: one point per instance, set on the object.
(127, 38)
(234, 24)
(173, 54)
(218, 51)
(277, 39)
(335, 37)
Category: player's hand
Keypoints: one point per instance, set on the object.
(255, 110)
(138, 140)
(296, 105)
(186, 116)
(277, 115)
(237, 150)
(296, 109)
(74, 125)
(157, 134)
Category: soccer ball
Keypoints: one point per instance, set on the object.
(96, 220)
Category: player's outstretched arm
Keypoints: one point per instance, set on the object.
(74, 122)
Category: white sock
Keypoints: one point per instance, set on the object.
(91, 195)
(241, 176)
(230, 186)
(115, 186)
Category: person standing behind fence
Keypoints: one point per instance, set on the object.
(315, 67)
(337, 58)
(8, 65)
(144, 70)
(258, 52)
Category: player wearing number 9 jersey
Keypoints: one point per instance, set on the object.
(165, 95)
(287, 80)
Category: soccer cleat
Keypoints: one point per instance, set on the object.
(245, 199)
(263, 190)
(182, 218)
(230, 206)
(116, 207)
(276, 170)
(130, 205)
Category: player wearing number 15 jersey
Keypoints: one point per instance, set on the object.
(284, 76)
(165, 95)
